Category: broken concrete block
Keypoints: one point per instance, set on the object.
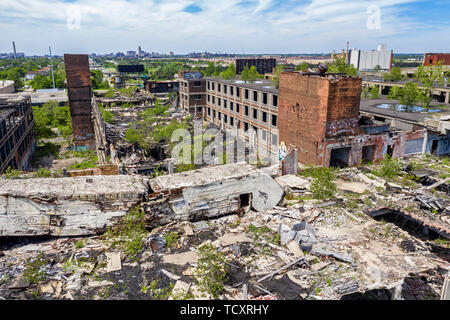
(113, 261)
(230, 238)
(354, 187)
(181, 258)
(295, 249)
(293, 182)
(61, 206)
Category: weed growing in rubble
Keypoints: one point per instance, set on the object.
(265, 233)
(34, 271)
(180, 294)
(42, 173)
(130, 233)
(390, 168)
(171, 239)
(11, 173)
(322, 185)
(212, 269)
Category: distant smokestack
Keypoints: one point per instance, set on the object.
(14, 47)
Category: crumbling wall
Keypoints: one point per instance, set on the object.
(67, 206)
(79, 92)
(87, 205)
(312, 108)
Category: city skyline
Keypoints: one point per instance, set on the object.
(239, 27)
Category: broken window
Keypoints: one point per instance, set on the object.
(219, 102)
(231, 106)
(209, 85)
(275, 100)
(224, 103)
(225, 89)
(246, 94)
(264, 117)
(213, 100)
(231, 90)
(232, 121)
(246, 111)
(237, 107)
(209, 97)
(226, 118)
(255, 96)
(264, 98)
(212, 85)
(255, 114)
(245, 126)
(218, 87)
(219, 116)
(197, 84)
(209, 111)
(238, 92)
(274, 120)
(198, 97)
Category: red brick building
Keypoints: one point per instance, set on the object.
(432, 59)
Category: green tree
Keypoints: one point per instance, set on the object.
(409, 94)
(340, 66)
(252, 74)
(302, 67)
(229, 73)
(245, 74)
(396, 74)
(374, 92)
(429, 77)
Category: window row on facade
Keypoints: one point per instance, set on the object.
(256, 96)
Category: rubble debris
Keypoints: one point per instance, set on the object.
(181, 259)
(445, 295)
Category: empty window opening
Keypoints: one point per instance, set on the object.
(340, 157)
(367, 154)
(245, 202)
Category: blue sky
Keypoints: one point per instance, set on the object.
(237, 26)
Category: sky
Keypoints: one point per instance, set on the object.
(227, 26)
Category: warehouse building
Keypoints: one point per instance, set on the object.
(17, 139)
(370, 60)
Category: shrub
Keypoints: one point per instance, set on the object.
(212, 269)
(390, 168)
(322, 185)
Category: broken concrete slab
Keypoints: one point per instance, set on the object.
(230, 238)
(295, 249)
(87, 206)
(214, 191)
(67, 206)
(354, 187)
(293, 182)
(181, 259)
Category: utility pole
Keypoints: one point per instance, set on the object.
(51, 63)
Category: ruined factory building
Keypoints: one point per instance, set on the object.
(88, 205)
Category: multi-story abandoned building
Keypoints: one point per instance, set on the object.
(17, 139)
(192, 92)
(317, 114)
(263, 65)
(248, 110)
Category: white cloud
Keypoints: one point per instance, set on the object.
(222, 25)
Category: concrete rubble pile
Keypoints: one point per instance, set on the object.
(296, 248)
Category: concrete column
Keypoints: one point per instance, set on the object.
(447, 97)
(380, 89)
(425, 143)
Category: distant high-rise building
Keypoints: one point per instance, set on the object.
(131, 54)
(139, 52)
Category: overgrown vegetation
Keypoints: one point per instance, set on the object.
(390, 168)
(130, 233)
(49, 116)
(35, 269)
(322, 185)
(212, 269)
